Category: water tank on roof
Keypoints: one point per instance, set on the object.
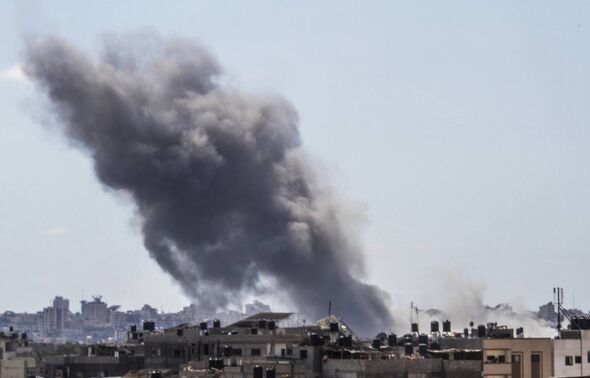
(481, 331)
(316, 340)
(216, 323)
(446, 326)
(415, 327)
(203, 326)
(376, 344)
(227, 351)
(423, 349)
(392, 339)
(270, 373)
(422, 339)
(434, 326)
(333, 327)
(408, 349)
(257, 371)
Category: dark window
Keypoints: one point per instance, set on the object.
(205, 348)
(589, 356)
(255, 352)
(578, 359)
(536, 370)
(179, 332)
(501, 359)
(282, 352)
(237, 352)
(569, 360)
(303, 354)
(177, 352)
(289, 352)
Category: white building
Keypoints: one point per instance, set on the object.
(572, 353)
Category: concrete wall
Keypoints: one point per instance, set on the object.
(524, 348)
(16, 368)
(572, 347)
(462, 369)
(421, 368)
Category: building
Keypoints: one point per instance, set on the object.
(547, 312)
(518, 357)
(61, 307)
(16, 356)
(572, 350)
(95, 314)
(97, 361)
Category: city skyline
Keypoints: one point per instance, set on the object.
(463, 149)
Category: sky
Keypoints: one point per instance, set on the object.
(458, 131)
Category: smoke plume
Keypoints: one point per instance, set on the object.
(218, 177)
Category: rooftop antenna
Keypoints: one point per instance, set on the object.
(329, 311)
(558, 298)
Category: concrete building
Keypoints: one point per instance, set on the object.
(572, 353)
(98, 361)
(95, 313)
(547, 312)
(16, 356)
(61, 307)
(518, 357)
(257, 340)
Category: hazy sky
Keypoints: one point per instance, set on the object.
(460, 130)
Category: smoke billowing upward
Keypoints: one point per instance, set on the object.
(218, 176)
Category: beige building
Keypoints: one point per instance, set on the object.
(16, 359)
(518, 358)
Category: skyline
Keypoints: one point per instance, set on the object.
(462, 151)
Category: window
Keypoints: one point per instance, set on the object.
(289, 352)
(205, 348)
(589, 356)
(578, 359)
(569, 360)
(303, 354)
(535, 357)
(501, 359)
(255, 352)
(236, 351)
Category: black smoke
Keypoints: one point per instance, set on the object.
(218, 176)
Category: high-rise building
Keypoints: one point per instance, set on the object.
(95, 313)
(61, 307)
(547, 312)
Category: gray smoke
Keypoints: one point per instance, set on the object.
(218, 177)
